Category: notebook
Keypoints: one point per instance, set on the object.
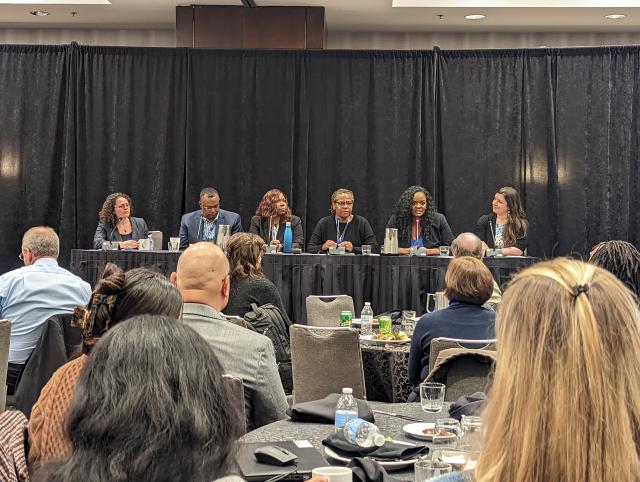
(308, 458)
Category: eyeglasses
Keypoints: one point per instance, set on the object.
(123, 206)
(344, 204)
(21, 257)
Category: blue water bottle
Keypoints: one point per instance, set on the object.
(288, 239)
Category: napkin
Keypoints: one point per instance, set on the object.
(324, 410)
(369, 471)
(340, 445)
(467, 405)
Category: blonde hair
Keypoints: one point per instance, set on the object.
(565, 399)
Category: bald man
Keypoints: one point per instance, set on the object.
(203, 280)
(468, 244)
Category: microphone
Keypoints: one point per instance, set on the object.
(114, 228)
(493, 235)
(199, 228)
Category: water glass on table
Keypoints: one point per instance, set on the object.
(447, 430)
(408, 322)
(427, 470)
(366, 249)
(432, 396)
(444, 250)
(174, 244)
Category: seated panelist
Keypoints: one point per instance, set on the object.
(342, 228)
(418, 223)
(506, 228)
(271, 219)
(202, 225)
(117, 224)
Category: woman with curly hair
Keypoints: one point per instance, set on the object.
(418, 223)
(117, 224)
(506, 228)
(271, 218)
(117, 296)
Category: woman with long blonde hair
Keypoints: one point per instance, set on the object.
(565, 399)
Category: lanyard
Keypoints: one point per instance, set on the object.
(340, 237)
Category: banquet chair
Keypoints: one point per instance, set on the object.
(464, 371)
(235, 388)
(5, 336)
(325, 310)
(325, 360)
(442, 343)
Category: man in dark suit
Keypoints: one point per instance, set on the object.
(202, 225)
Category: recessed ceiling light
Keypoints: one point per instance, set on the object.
(475, 16)
(615, 16)
(39, 13)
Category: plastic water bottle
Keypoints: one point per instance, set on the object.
(362, 433)
(346, 409)
(288, 239)
(366, 319)
(151, 247)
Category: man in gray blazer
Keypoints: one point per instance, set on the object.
(202, 225)
(203, 279)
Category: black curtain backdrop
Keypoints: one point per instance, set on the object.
(80, 122)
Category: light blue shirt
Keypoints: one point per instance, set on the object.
(30, 295)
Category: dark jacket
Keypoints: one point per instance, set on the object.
(486, 228)
(191, 229)
(108, 232)
(245, 291)
(260, 226)
(439, 232)
(458, 320)
(358, 233)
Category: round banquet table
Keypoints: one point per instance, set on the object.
(285, 430)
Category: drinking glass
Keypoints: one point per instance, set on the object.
(448, 429)
(444, 250)
(432, 396)
(428, 469)
(408, 322)
(366, 249)
(174, 244)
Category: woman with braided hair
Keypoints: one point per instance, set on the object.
(418, 223)
(621, 259)
(117, 296)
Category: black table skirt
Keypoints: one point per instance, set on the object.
(389, 282)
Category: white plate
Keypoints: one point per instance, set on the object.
(369, 340)
(387, 464)
(415, 430)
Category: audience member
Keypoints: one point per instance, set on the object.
(621, 259)
(468, 244)
(565, 399)
(117, 224)
(203, 281)
(30, 295)
(418, 224)
(117, 296)
(342, 228)
(468, 286)
(506, 228)
(150, 405)
(202, 225)
(271, 218)
(248, 283)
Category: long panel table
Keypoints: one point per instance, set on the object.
(389, 282)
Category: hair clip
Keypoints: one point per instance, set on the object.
(577, 289)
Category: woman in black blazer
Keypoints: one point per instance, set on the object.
(271, 219)
(418, 223)
(506, 228)
(117, 224)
